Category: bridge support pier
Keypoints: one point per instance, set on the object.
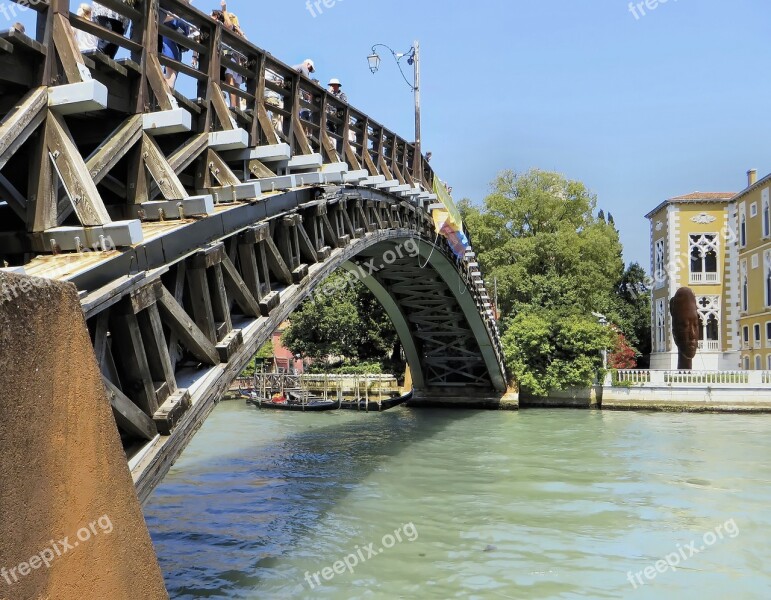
(466, 398)
(63, 467)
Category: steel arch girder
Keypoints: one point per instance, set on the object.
(446, 270)
(399, 321)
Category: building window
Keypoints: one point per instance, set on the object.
(758, 364)
(768, 334)
(746, 363)
(742, 225)
(746, 337)
(661, 327)
(703, 251)
(756, 330)
(659, 272)
(753, 210)
(745, 288)
(768, 362)
(709, 323)
(766, 214)
(767, 269)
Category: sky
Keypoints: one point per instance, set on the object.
(639, 105)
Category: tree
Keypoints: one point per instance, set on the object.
(546, 353)
(537, 234)
(622, 355)
(633, 309)
(556, 264)
(264, 354)
(342, 321)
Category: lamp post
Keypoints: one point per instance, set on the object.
(413, 59)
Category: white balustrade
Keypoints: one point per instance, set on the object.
(652, 378)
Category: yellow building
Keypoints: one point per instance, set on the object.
(752, 215)
(691, 247)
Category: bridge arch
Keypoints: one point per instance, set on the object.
(192, 228)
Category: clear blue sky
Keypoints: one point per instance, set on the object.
(638, 109)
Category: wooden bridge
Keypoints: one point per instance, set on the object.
(192, 228)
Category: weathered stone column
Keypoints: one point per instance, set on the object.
(71, 526)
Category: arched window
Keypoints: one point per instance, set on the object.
(766, 215)
(745, 294)
(745, 288)
(709, 323)
(661, 327)
(768, 288)
(704, 248)
(659, 272)
(742, 226)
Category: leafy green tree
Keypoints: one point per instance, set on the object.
(341, 323)
(264, 354)
(555, 263)
(634, 311)
(547, 352)
(537, 234)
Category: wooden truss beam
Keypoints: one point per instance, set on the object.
(21, 122)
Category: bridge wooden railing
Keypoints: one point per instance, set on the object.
(304, 114)
(95, 158)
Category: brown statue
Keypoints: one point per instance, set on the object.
(685, 326)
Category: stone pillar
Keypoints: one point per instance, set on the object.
(71, 526)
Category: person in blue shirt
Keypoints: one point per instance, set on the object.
(172, 49)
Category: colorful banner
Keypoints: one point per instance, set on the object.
(448, 221)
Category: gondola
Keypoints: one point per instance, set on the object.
(376, 405)
(308, 404)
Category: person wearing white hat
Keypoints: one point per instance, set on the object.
(306, 67)
(334, 88)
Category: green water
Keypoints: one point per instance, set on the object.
(535, 504)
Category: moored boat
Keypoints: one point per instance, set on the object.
(306, 404)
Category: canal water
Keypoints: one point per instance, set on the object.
(466, 504)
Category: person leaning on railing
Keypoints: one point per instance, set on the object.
(87, 42)
(115, 22)
(335, 88)
(230, 21)
(170, 48)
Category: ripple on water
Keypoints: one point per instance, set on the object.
(537, 504)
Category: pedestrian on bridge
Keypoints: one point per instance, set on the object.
(114, 21)
(229, 76)
(306, 67)
(170, 48)
(87, 42)
(335, 89)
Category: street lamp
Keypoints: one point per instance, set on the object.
(413, 59)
